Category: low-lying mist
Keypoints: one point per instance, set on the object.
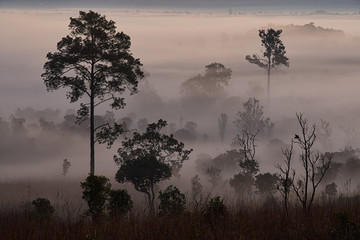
(38, 131)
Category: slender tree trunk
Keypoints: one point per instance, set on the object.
(92, 124)
(286, 206)
(152, 208)
(92, 138)
(268, 84)
(151, 204)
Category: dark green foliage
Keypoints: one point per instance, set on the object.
(119, 203)
(172, 201)
(165, 148)
(266, 183)
(94, 62)
(144, 172)
(43, 208)
(96, 190)
(216, 207)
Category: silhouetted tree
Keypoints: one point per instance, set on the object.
(244, 180)
(286, 176)
(172, 201)
(95, 62)
(165, 148)
(211, 84)
(251, 119)
(273, 55)
(222, 123)
(314, 165)
(149, 158)
(44, 211)
(119, 203)
(96, 190)
(144, 172)
(266, 183)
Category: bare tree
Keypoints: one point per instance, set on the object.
(244, 180)
(222, 125)
(199, 197)
(286, 176)
(314, 165)
(247, 143)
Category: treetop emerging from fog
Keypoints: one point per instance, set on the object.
(274, 54)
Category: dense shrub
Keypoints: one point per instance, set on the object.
(216, 207)
(119, 203)
(172, 201)
(95, 192)
(43, 208)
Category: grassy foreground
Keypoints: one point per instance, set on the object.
(338, 219)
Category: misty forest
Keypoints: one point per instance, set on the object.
(179, 124)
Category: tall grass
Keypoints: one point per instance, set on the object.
(339, 219)
(251, 218)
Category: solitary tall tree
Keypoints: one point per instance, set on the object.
(94, 61)
(274, 54)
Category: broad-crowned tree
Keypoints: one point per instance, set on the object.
(144, 172)
(210, 84)
(149, 158)
(153, 142)
(95, 63)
